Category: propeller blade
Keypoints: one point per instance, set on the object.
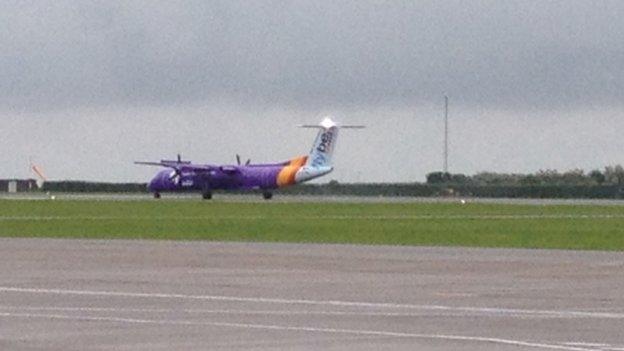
(179, 158)
(248, 162)
(176, 173)
(238, 159)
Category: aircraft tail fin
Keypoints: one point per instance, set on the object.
(321, 154)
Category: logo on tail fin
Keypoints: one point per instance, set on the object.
(326, 141)
(323, 149)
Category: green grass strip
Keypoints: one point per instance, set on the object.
(431, 224)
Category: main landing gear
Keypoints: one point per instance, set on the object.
(206, 192)
(156, 195)
(267, 195)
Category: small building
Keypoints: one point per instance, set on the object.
(18, 185)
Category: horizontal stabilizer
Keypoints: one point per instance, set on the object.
(329, 123)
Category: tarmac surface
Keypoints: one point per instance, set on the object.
(58, 294)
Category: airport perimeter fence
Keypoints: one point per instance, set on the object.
(385, 189)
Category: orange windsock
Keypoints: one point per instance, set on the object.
(37, 170)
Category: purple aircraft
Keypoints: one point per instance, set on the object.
(186, 176)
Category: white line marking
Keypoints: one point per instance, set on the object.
(113, 218)
(594, 346)
(487, 310)
(304, 329)
(476, 216)
(334, 217)
(246, 312)
(588, 344)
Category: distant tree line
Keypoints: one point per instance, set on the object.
(611, 175)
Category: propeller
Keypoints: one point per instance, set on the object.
(175, 174)
(176, 171)
(238, 160)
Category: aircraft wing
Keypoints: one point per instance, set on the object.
(169, 164)
(180, 166)
(161, 164)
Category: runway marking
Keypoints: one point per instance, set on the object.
(511, 342)
(219, 311)
(332, 217)
(245, 312)
(487, 310)
(595, 346)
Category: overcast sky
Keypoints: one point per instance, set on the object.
(88, 87)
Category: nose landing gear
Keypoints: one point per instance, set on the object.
(267, 195)
(206, 195)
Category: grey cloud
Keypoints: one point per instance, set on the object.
(88, 87)
(313, 54)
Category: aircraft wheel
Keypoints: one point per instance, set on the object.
(156, 195)
(207, 195)
(267, 195)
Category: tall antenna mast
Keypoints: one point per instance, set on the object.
(446, 134)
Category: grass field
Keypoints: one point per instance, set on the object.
(437, 224)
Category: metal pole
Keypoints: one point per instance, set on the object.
(445, 134)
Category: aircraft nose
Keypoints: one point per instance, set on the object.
(154, 184)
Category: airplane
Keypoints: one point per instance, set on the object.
(185, 176)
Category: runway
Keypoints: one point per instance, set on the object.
(162, 295)
(283, 198)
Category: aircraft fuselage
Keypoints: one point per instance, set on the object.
(264, 177)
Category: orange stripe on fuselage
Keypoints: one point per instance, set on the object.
(287, 175)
